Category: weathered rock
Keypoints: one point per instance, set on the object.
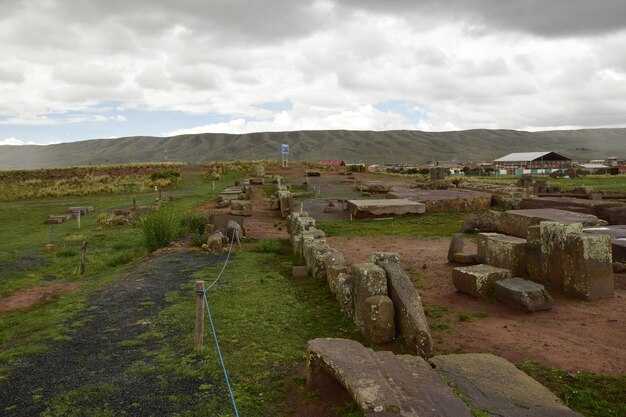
(344, 285)
(553, 251)
(381, 383)
(482, 222)
(456, 246)
(534, 255)
(481, 244)
(220, 222)
(208, 229)
(508, 252)
(259, 170)
(382, 258)
(274, 202)
(388, 207)
(285, 202)
(257, 181)
(619, 267)
(215, 242)
(241, 207)
(318, 268)
(378, 319)
(310, 248)
(335, 264)
(465, 258)
(234, 231)
(478, 280)
(411, 321)
(618, 239)
(523, 294)
(516, 222)
(588, 266)
(369, 280)
(446, 199)
(496, 386)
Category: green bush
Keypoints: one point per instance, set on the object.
(193, 222)
(165, 175)
(159, 228)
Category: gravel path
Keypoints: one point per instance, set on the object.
(96, 359)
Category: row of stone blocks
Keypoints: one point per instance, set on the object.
(282, 200)
(379, 296)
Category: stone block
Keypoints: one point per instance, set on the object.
(300, 271)
(411, 321)
(344, 284)
(478, 280)
(523, 294)
(508, 252)
(378, 324)
(516, 222)
(318, 268)
(208, 229)
(553, 235)
(220, 221)
(369, 280)
(496, 386)
(241, 207)
(309, 248)
(481, 244)
(382, 258)
(335, 265)
(456, 246)
(257, 181)
(588, 266)
(387, 207)
(534, 255)
(482, 222)
(465, 258)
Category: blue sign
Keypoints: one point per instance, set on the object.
(284, 149)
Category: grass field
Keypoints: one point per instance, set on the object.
(614, 183)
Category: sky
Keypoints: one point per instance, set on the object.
(85, 69)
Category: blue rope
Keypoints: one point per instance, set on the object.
(219, 353)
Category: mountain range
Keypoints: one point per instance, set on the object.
(398, 146)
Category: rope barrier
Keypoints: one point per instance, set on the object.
(208, 310)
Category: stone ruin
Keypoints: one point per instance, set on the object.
(515, 269)
(379, 296)
(71, 213)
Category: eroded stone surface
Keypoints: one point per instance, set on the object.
(496, 386)
(478, 280)
(369, 280)
(588, 266)
(382, 383)
(456, 246)
(516, 222)
(452, 199)
(508, 252)
(378, 319)
(387, 207)
(523, 294)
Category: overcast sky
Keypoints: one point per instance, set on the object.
(81, 69)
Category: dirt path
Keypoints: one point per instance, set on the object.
(102, 358)
(574, 335)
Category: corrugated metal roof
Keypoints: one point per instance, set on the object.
(594, 166)
(522, 157)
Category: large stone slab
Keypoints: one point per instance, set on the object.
(381, 383)
(496, 386)
(516, 222)
(388, 207)
(369, 280)
(220, 222)
(579, 205)
(553, 253)
(378, 319)
(411, 321)
(618, 239)
(478, 280)
(452, 199)
(523, 294)
(508, 252)
(588, 266)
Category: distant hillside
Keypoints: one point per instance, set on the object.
(353, 146)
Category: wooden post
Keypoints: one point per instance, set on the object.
(78, 218)
(82, 257)
(213, 185)
(199, 333)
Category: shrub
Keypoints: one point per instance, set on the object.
(165, 175)
(159, 227)
(270, 246)
(193, 222)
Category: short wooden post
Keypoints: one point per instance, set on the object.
(213, 185)
(82, 257)
(199, 333)
(78, 218)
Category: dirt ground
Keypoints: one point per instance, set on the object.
(31, 296)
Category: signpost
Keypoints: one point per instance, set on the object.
(284, 150)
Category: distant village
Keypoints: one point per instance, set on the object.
(539, 163)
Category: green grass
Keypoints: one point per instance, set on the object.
(263, 319)
(615, 183)
(428, 226)
(111, 250)
(591, 394)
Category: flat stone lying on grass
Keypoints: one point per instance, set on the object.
(381, 383)
(523, 294)
(495, 385)
(387, 207)
(445, 200)
(478, 280)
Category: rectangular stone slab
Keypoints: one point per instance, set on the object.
(523, 294)
(445, 200)
(580, 205)
(516, 222)
(618, 239)
(495, 385)
(478, 280)
(387, 207)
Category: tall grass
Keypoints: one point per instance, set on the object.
(160, 227)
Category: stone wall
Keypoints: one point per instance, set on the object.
(378, 295)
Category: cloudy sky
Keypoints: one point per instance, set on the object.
(80, 69)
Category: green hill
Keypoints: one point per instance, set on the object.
(400, 146)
